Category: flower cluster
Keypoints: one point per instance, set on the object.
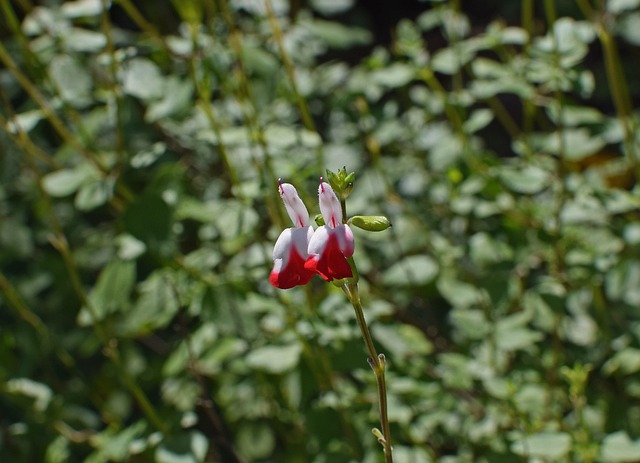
(300, 253)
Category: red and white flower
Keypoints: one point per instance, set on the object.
(332, 243)
(290, 250)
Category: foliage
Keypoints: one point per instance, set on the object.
(141, 145)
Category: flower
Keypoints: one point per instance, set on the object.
(332, 243)
(290, 250)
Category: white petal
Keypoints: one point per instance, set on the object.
(278, 265)
(301, 238)
(294, 205)
(345, 240)
(319, 240)
(329, 205)
(283, 245)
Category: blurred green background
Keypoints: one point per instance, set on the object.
(140, 147)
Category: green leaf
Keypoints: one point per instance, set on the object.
(514, 36)
(234, 219)
(418, 270)
(478, 120)
(617, 447)
(143, 79)
(81, 8)
(528, 179)
(274, 359)
(148, 218)
(337, 35)
(486, 250)
(280, 136)
(64, 182)
(148, 155)
(177, 99)
(584, 210)
(511, 333)
(71, 79)
(183, 448)
(58, 451)
(94, 194)
(257, 59)
(394, 76)
(403, 341)
(578, 144)
(309, 138)
(191, 350)
(331, 7)
(626, 362)
(573, 115)
(446, 153)
(485, 89)
(129, 248)
(632, 233)
(114, 445)
(405, 454)
(110, 293)
(16, 238)
(256, 441)
(618, 6)
(470, 323)
(155, 308)
(213, 361)
(623, 282)
(43, 20)
(545, 445)
(455, 370)
(25, 121)
(83, 40)
(449, 60)
(458, 293)
(629, 28)
(39, 392)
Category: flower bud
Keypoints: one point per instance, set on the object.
(341, 182)
(370, 222)
(333, 179)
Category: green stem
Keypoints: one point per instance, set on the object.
(375, 360)
(47, 109)
(251, 116)
(15, 300)
(305, 114)
(105, 23)
(377, 363)
(617, 82)
(137, 17)
(527, 16)
(203, 90)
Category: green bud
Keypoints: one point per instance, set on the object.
(454, 175)
(319, 220)
(333, 180)
(350, 178)
(341, 182)
(370, 222)
(348, 184)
